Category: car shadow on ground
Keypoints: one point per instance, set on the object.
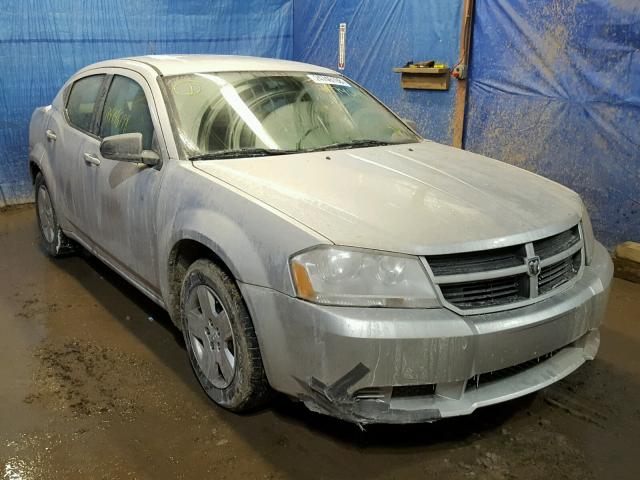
(457, 429)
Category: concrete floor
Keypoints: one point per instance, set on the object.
(95, 383)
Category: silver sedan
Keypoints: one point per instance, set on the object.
(306, 240)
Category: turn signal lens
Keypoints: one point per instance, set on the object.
(302, 281)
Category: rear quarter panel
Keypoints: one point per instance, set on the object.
(47, 155)
(37, 138)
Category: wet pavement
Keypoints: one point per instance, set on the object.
(95, 383)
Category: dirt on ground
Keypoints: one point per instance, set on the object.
(95, 383)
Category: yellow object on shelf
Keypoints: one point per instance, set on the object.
(434, 77)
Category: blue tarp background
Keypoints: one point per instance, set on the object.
(43, 43)
(554, 84)
(381, 35)
(555, 88)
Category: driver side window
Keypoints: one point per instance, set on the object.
(126, 111)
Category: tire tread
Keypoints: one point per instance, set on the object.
(256, 391)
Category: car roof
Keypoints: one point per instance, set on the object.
(182, 64)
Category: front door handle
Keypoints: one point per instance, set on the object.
(51, 135)
(92, 159)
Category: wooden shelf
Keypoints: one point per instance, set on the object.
(422, 70)
(424, 78)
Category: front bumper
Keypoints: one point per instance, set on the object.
(359, 364)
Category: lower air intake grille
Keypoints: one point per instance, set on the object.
(490, 377)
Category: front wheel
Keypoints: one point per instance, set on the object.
(220, 339)
(55, 241)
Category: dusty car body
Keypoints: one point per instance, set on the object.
(398, 283)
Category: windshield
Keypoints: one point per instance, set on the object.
(265, 113)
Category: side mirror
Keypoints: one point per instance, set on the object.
(411, 124)
(127, 147)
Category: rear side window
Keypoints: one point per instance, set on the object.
(82, 102)
(126, 111)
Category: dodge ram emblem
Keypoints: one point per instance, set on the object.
(533, 266)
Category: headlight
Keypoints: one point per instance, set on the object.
(342, 276)
(589, 239)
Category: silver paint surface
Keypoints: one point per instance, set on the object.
(255, 213)
(420, 199)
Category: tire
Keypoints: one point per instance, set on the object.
(220, 339)
(55, 242)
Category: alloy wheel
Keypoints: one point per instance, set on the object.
(210, 335)
(45, 213)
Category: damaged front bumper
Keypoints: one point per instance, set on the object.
(410, 365)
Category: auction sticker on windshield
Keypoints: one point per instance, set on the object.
(327, 79)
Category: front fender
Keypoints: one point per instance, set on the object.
(254, 240)
(222, 236)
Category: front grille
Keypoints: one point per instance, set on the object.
(485, 293)
(509, 275)
(548, 247)
(554, 275)
(477, 261)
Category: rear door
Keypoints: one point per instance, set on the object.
(72, 130)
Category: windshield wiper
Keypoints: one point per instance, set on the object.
(241, 153)
(261, 152)
(350, 144)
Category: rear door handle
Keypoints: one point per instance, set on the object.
(91, 158)
(51, 135)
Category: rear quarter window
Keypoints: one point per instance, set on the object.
(82, 102)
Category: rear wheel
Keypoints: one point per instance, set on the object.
(220, 339)
(55, 241)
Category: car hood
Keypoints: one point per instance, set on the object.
(423, 198)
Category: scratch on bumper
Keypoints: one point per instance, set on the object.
(334, 399)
